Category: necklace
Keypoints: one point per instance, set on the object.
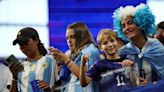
(32, 60)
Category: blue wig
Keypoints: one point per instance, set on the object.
(142, 17)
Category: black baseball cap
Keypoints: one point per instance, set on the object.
(24, 35)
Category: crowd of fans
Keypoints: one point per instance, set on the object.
(130, 57)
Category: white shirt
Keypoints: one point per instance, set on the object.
(5, 78)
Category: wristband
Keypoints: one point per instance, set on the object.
(68, 62)
(83, 63)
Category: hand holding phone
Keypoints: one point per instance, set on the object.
(14, 65)
(11, 60)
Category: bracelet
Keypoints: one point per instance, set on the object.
(68, 62)
(69, 66)
(83, 64)
(14, 79)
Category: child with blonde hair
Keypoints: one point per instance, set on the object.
(109, 72)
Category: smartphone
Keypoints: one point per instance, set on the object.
(11, 60)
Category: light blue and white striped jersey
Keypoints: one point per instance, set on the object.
(44, 69)
(74, 83)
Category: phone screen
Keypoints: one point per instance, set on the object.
(11, 60)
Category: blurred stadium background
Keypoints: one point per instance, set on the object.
(50, 18)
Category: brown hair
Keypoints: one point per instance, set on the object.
(82, 34)
(161, 25)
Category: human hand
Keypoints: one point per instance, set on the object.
(43, 85)
(15, 68)
(58, 55)
(127, 63)
(143, 81)
(84, 59)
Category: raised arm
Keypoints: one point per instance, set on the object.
(61, 57)
(84, 80)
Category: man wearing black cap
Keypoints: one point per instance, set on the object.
(23, 36)
(37, 67)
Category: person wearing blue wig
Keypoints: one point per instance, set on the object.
(136, 24)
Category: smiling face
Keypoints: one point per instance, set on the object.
(109, 45)
(129, 28)
(70, 37)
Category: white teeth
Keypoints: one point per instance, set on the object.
(111, 49)
(127, 31)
